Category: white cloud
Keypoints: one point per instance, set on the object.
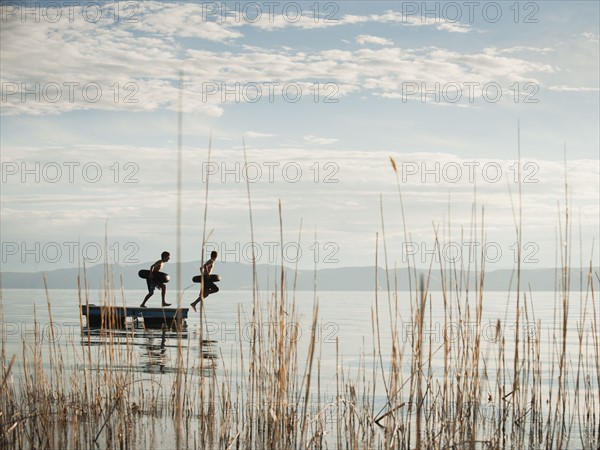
(333, 190)
(184, 20)
(256, 134)
(363, 39)
(565, 88)
(453, 27)
(144, 74)
(522, 49)
(279, 20)
(396, 17)
(168, 37)
(138, 70)
(592, 37)
(310, 139)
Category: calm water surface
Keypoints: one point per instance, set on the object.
(344, 317)
(344, 331)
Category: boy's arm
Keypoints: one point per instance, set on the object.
(207, 267)
(156, 266)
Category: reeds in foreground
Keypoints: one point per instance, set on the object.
(489, 395)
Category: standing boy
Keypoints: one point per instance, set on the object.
(152, 284)
(208, 286)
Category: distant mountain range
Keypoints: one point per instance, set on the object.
(238, 276)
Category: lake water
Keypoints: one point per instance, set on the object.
(344, 334)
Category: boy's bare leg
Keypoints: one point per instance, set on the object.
(199, 299)
(164, 292)
(150, 294)
(196, 302)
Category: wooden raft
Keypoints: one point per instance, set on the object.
(115, 316)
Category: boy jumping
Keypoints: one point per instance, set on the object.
(208, 286)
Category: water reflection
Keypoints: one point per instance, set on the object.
(155, 358)
(152, 351)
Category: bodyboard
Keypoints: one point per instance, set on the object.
(159, 277)
(212, 277)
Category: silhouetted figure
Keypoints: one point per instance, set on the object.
(208, 286)
(153, 284)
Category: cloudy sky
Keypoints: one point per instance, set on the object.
(322, 94)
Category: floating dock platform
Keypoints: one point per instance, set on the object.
(116, 316)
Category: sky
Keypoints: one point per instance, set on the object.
(321, 96)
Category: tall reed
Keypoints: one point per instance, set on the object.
(86, 390)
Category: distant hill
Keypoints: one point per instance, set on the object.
(238, 276)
